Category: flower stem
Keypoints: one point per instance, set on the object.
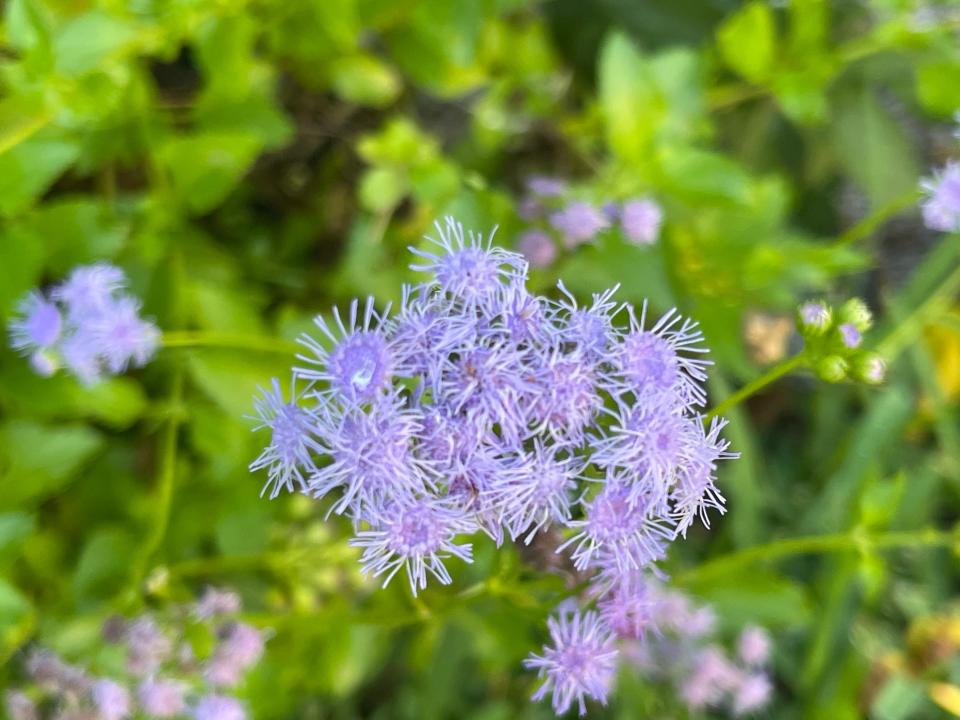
(773, 374)
(166, 482)
(812, 544)
(228, 341)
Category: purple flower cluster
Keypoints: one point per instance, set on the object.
(681, 651)
(577, 222)
(87, 324)
(480, 407)
(163, 677)
(941, 205)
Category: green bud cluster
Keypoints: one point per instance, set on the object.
(833, 338)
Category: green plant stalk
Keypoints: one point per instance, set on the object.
(937, 304)
(860, 540)
(753, 387)
(166, 483)
(228, 341)
(868, 225)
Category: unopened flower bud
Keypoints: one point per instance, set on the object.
(814, 318)
(832, 368)
(855, 312)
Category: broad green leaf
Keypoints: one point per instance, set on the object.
(14, 526)
(365, 80)
(16, 618)
(77, 230)
(88, 40)
(699, 174)
(20, 117)
(647, 100)
(27, 25)
(36, 459)
(21, 257)
(382, 188)
(243, 532)
(104, 564)
(29, 168)
(205, 167)
(759, 597)
(747, 41)
(872, 147)
(937, 84)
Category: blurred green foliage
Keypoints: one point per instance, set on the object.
(249, 162)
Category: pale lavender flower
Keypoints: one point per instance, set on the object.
(567, 398)
(589, 328)
(629, 609)
(538, 493)
(19, 706)
(425, 330)
(90, 289)
(850, 335)
(712, 677)
(360, 364)
(753, 647)
(241, 648)
(288, 458)
(468, 267)
(54, 675)
(640, 220)
(695, 492)
(815, 316)
(148, 647)
(752, 694)
(580, 662)
(578, 223)
(372, 459)
(120, 336)
(111, 699)
(162, 698)
(215, 602)
(417, 537)
(538, 248)
(219, 707)
(663, 359)
(40, 326)
(545, 186)
(622, 522)
(941, 207)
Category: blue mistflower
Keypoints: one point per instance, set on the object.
(88, 325)
(941, 208)
(417, 537)
(482, 407)
(289, 456)
(578, 223)
(580, 663)
(469, 268)
(640, 220)
(360, 364)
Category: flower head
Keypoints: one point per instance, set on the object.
(112, 699)
(640, 220)
(359, 366)
(941, 207)
(219, 707)
(90, 289)
(39, 327)
(580, 662)
(538, 248)
(288, 458)
(578, 223)
(162, 698)
(850, 335)
(417, 537)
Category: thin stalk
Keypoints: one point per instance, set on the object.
(166, 482)
(868, 225)
(937, 304)
(772, 375)
(229, 341)
(816, 544)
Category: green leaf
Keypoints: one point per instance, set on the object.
(27, 170)
(365, 80)
(644, 101)
(243, 532)
(16, 617)
(937, 84)
(36, 459)
(901, 698)
(757, 597)
(698, 174)
(205, 167)
(87, 40)
(77, 230)
(382, 188)
(20, 117)
(27, 25)
(14, 526)
(747, 41)
(104, 564)
(873, 148)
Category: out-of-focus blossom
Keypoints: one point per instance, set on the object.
(640, 220)
(941, 206)
(578, 223)
(538, 248)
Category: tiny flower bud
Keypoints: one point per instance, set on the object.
(849, 335)
(870, 368)
(855, 312)
(832, 368)
(814, 318)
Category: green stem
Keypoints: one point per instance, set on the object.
(878, 217)
(166, 483)
(938, 303)
(813, 544)
(773, 374)
(229, 341)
